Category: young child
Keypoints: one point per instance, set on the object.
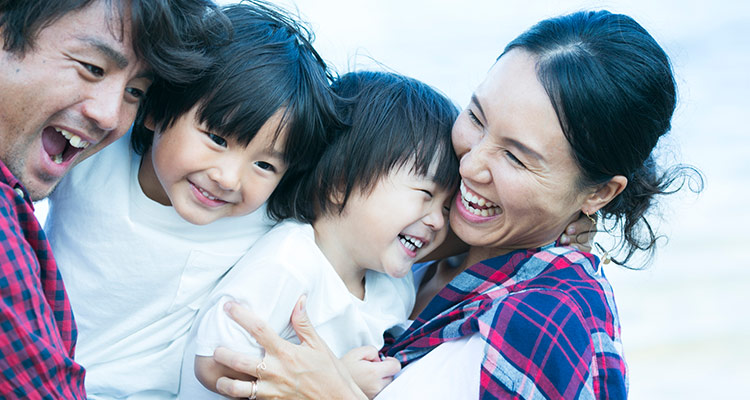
(141, 235)
(376, 202)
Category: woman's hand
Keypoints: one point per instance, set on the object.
(305, 371)
(580, 234)
(370, 372)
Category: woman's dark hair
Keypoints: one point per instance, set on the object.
(266, 65)
(614, 93)
(388, 121)
(164, 33)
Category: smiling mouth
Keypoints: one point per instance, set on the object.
(410, 242)
(61, 145)
(478, 205)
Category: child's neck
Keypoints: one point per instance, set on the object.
(149, 182)
(337, 251)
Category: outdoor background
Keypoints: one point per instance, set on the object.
(685, 319)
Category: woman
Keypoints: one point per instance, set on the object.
(564, 124)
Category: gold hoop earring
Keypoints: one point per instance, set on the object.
(593, 221)
(605, 255)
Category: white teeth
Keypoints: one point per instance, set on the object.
(411, 242)
(57, 158)
(489, 208)
(207, 195)
(73, 139)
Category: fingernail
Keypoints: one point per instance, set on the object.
(571, 230)
(228, 306)
(302, 301)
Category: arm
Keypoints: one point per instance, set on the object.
(265, 286)
(308, 370)
(34, 358)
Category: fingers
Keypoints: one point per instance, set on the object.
(234, 387)
(302, 325)
(389, 367)
(367, 353)
(259, 329)
(236, 361)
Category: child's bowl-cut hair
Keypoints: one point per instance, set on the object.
(266, 64)
(388, 121)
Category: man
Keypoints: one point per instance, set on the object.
(72, 74)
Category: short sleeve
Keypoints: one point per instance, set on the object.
(269, 288)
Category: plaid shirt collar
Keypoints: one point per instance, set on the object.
(478, 301)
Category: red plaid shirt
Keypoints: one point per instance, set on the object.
(549, 320)
(37, 331)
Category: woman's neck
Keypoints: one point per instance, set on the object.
(337, 251)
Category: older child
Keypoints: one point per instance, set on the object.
(377, 203)
(140, 234)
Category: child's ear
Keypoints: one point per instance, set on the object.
(602, 196)
(148, 122)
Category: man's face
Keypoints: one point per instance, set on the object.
(74, 92)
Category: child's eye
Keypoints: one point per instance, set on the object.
(265, 166)
(427, 192)
(217, 139)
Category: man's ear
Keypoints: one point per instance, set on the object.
(602, 196)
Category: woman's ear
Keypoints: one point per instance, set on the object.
(602, 196)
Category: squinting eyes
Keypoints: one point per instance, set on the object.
(474, 118)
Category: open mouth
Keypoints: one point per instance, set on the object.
(478, 205)
(61, 145)
(410, 242)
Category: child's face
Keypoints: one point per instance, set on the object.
(401, 221)
(205, 177)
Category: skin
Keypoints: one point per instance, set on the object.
(402, 203)
(509, 137)
(534, 198)
(82, 76)
(206, 177)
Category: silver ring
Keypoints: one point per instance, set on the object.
(253, 391)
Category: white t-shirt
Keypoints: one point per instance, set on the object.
(284, 264)
(136, 273)
(450, 371)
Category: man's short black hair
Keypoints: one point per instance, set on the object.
(163, 33)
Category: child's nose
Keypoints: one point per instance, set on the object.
(435, 219)
(227, 177)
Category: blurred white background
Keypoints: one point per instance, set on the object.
(685, 319)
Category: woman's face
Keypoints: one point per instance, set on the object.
(519, 179)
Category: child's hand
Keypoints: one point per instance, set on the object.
(368, 371)
(579, 234)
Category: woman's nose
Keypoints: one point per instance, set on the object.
(474, 166)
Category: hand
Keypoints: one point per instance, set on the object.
(370, 372)
(305, 371)
(580, 234)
